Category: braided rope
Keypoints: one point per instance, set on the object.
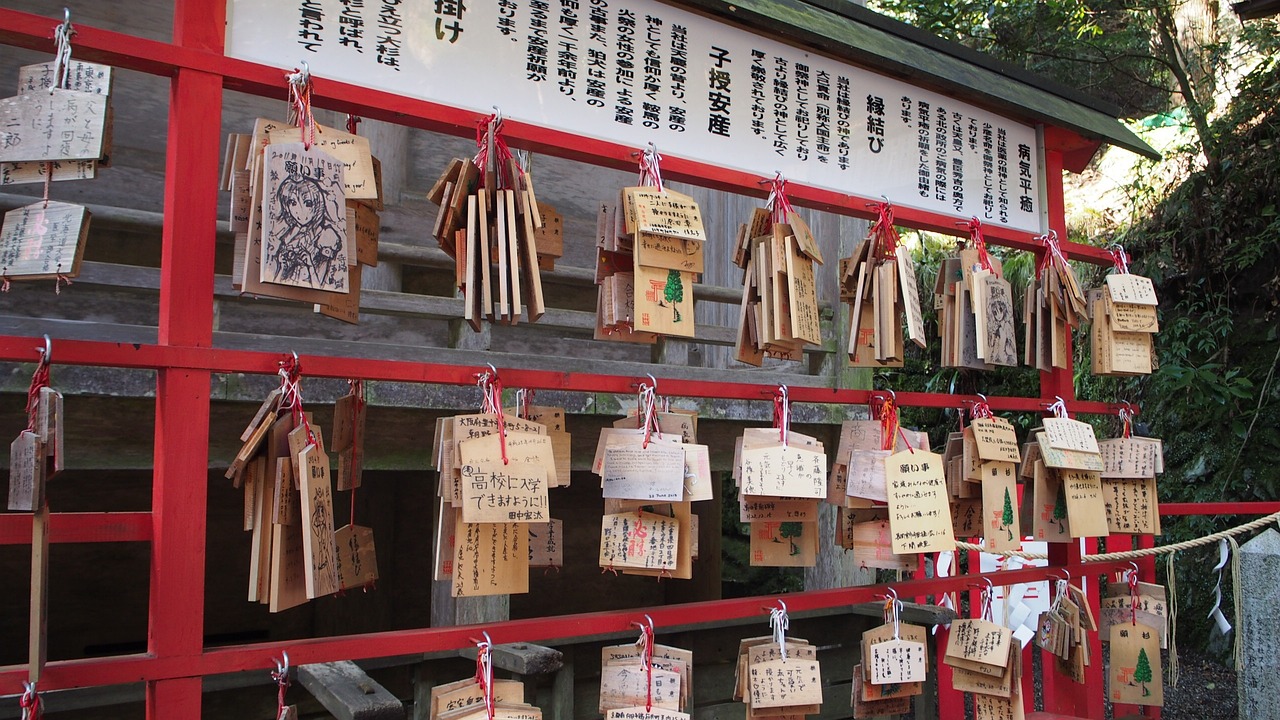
(1144, 552)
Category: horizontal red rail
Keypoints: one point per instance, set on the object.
(81, 527)
(66, 674)
(107, 527)
(159, 58)
(126, 355)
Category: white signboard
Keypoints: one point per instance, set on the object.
(638, 71)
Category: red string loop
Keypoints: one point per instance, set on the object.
(980, 244)
(39, 380)
(885, 234)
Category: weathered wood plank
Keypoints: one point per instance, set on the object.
(348, 692)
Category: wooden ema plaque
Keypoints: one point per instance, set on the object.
(304, 228)
(52, 125)
(319, 546)
(43, 241)
(490, 559)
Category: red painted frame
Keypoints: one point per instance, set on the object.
(184, 359)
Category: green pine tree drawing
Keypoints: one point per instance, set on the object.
(673, 292)
(1006, 515)
(790, 531)
(1060, 507)
(890, 690)
(1142, 673)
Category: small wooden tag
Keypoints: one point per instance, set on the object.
(994, 439)
(43, 242)
(304, 228)
(490, 559)
(515, 492)
(639, 540)
(918, 511)
(1135, 675)
(26, 473)
(319, 547)
(897, 661)
(356, 557)
(26, 120)
(784, 683)
(1003, 529)
(784, 471)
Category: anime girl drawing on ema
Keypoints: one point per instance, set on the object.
(305, 233)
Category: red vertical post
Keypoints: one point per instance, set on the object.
(179, 484)
(1060, 693)
(1147, 573)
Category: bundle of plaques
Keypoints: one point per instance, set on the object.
(778, 675)
(651, 471)
(975, 308)
(1062, 630)
(1066, 498)
(982, 480)
(488, 223)
(894, 667)
(1123, 322)
(37, 454)
(649, 253)
(284, 472)
(1129, 468)
(1134, 622)
(1054, 303)
(985, 661)
(781, 475)
(45, 240)
(482, 697)
(779, 311)
(304, 209)
(858, 487)
(495, 469)
(878, 283)
(644, 680)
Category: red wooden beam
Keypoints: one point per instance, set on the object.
(84, 527)
(259, 656)
(126, 355)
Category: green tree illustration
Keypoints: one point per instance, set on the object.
(1006, 515)
(673, 292)
(1142, 673)
(890, 690)
(791, 530)
(1060, 507)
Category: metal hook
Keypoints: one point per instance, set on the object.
(487, 639)
(282, 668)
(653, 380)
(984, 398)
(497, 115)
(46, 352)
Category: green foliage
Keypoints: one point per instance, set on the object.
(1101, 47)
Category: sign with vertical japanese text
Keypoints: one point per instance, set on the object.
(639, 71)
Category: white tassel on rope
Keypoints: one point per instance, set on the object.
(62, 54)
(1215, 613)
(780, 622)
